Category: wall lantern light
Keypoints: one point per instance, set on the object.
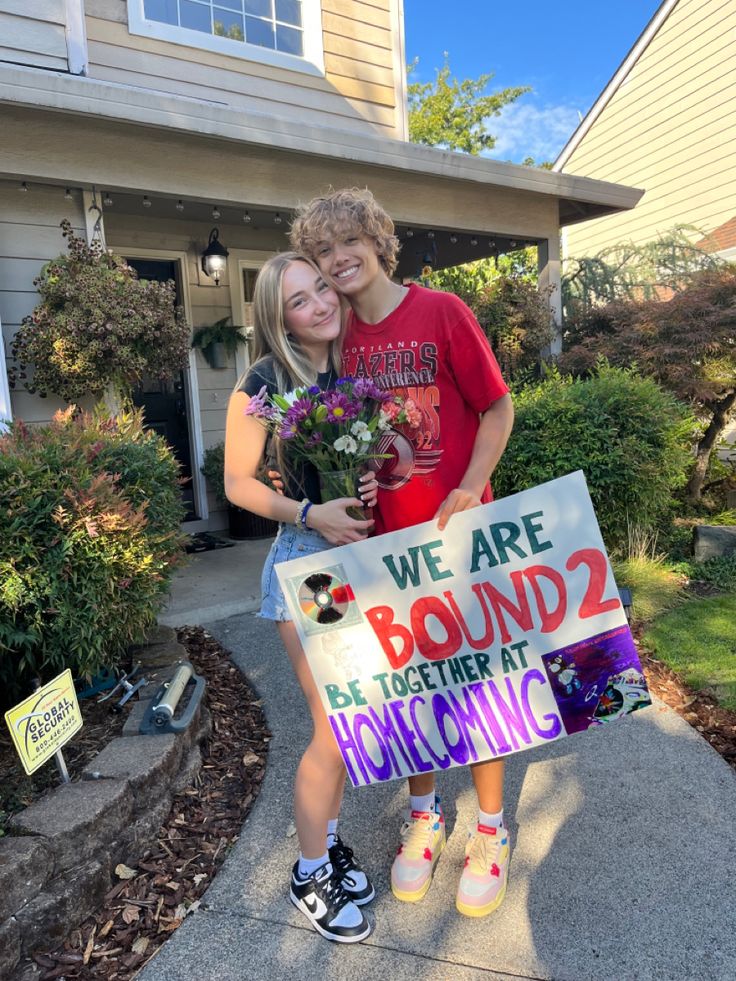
(214, 257)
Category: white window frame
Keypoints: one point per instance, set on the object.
(238, 261)
(311, 63)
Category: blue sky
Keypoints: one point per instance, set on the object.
(567, 51)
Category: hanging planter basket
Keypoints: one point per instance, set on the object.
(218, 342)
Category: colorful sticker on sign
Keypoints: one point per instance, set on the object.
(43, 722)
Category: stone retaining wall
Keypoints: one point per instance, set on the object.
(58, 862)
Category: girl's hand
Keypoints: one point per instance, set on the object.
(333, 522)
(368, 486)
(276, 482)
(368, 491)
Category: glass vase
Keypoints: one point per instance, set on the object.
(342, 483)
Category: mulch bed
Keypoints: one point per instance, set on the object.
(152, 898)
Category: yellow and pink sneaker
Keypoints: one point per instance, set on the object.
(422, 841)
(483, 882)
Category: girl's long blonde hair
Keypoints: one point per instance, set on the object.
(270, 335)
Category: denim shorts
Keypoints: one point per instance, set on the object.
(290, 543)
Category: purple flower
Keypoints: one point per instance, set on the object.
(365, 388)
(314, 439)
(298, 410)
(258, 405)
(314, 390)
(346, 380)
(339, 407)
(288, 430)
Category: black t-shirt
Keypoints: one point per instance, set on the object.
(303, 479)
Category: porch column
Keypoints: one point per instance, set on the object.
(548, 267)
(6, 413)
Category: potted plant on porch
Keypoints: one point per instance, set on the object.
(242, 524)
(219, 341)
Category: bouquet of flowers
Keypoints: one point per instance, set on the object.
(337, 430)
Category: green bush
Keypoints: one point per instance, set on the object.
(89, 533)
(630, 438)
(719, 572)
(213, 467)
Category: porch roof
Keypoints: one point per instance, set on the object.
(578, 198)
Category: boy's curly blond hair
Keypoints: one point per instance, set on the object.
(340, 214)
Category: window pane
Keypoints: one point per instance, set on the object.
(226, 23)
(164, 11)
(196, 16)
(289, 11)
(249, 284)
(261, 8)
(274, 24)
(259, 32)
(289, 39)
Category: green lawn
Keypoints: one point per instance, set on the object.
(697, 639)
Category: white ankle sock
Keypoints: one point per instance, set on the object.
(424, 803)
(491, 820)
(309, 865)
(331, 832)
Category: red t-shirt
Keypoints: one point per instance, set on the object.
(432, 350)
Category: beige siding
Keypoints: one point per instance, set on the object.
(357, 93)
(33, 33)
(671, 129)
(29, 237)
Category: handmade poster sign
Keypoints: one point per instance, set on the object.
(504, 632)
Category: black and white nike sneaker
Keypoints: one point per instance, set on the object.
(327, 906)
(354, 880)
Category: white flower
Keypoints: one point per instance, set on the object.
(361, 430)
(383, 422)
(291, 397)
(345, 444)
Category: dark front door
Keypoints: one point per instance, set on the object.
(165, 404)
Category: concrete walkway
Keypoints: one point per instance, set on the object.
(622, 866)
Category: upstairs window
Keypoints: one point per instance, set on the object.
(281, 32)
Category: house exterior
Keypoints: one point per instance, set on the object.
(666, 123)
(178, 117)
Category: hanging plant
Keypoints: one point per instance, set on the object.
(218, 341)
(98, 328)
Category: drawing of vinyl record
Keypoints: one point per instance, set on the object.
(324, 598)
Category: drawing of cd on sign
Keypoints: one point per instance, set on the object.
(325, 600)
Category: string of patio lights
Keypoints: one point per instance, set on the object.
(214, 257)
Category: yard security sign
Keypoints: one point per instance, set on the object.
(43, 722)
(432, 650)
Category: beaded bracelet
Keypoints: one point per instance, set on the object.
(301, 510)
